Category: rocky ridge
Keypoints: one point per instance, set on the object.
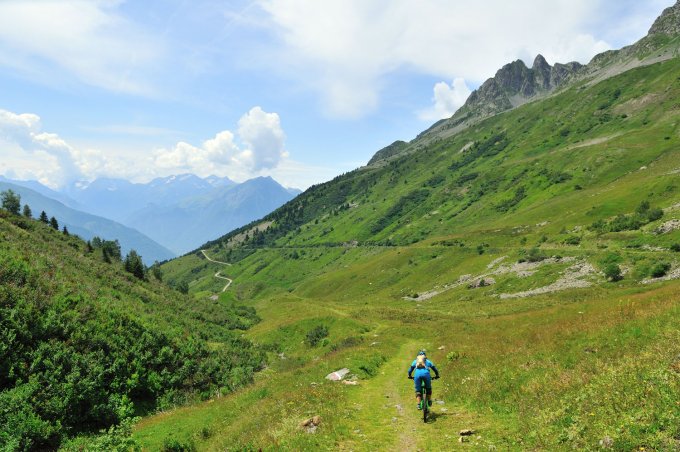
(515, 84)
(668, 23)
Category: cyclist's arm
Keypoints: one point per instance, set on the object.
(436, 371)
(410, 370)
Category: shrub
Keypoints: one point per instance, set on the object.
(175, 445)
(572, 240)
(535, 255)
(654, 214)
(675, 247)
(661, 269)
(454, 356)
(613, 272)
(315, 335)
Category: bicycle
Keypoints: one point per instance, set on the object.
(424, 405)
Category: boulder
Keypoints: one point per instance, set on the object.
(466, 432)
(337, 375)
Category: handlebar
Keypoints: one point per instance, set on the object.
(410, 378)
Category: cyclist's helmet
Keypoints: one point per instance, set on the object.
(422, 352)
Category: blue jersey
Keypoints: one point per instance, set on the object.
(428, 365)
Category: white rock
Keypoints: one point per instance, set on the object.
(338, 374)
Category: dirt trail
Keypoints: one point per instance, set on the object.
(386, 417)
(385, 414)
(217, 275)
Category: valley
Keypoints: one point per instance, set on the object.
(529, 242)
(497, 260)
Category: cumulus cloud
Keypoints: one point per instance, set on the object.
(85, 39)
(447, 99)
(36, 154)
(345, 48)
(263, 137)
(261, 148)
(257, 148)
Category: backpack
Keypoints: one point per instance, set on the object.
(421, 362)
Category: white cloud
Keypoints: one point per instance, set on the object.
(36, 154)
(86, 39)
(30, 153)
(447, 99)
(262, 149)
(345, 48)
(263, 136)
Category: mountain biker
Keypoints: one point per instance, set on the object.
(422, 367)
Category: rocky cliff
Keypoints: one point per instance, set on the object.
(668, 23)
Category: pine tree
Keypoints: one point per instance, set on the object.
(113, 249)
(27, 211)
(11, 201)
(65, 230)
(54, 223)
(105, 256)
(43, 217)
(133, 264)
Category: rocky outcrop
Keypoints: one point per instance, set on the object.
(668, 23)
(515, 84)
(388, 151)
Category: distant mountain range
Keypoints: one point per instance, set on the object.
(184, 223)
(118, 198)
(178, 212)
(85, 224)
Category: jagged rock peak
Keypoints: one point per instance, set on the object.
(542, 73)
(540, 63)
(668, 23)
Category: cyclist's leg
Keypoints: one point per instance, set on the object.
(418, 387)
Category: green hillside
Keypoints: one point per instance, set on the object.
(535, 254)
(86, 345)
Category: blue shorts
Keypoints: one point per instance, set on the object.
(420, 376)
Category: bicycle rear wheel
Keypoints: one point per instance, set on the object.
(426, 408)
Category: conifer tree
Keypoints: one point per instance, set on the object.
(54, 223)
(11, 201)
(113, 249)
(65, 230)
(27, 211)
(105, 256)
(43, 217)
(133, 264)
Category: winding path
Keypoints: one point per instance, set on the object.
(217, 275)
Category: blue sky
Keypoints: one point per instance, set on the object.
(301, 90)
